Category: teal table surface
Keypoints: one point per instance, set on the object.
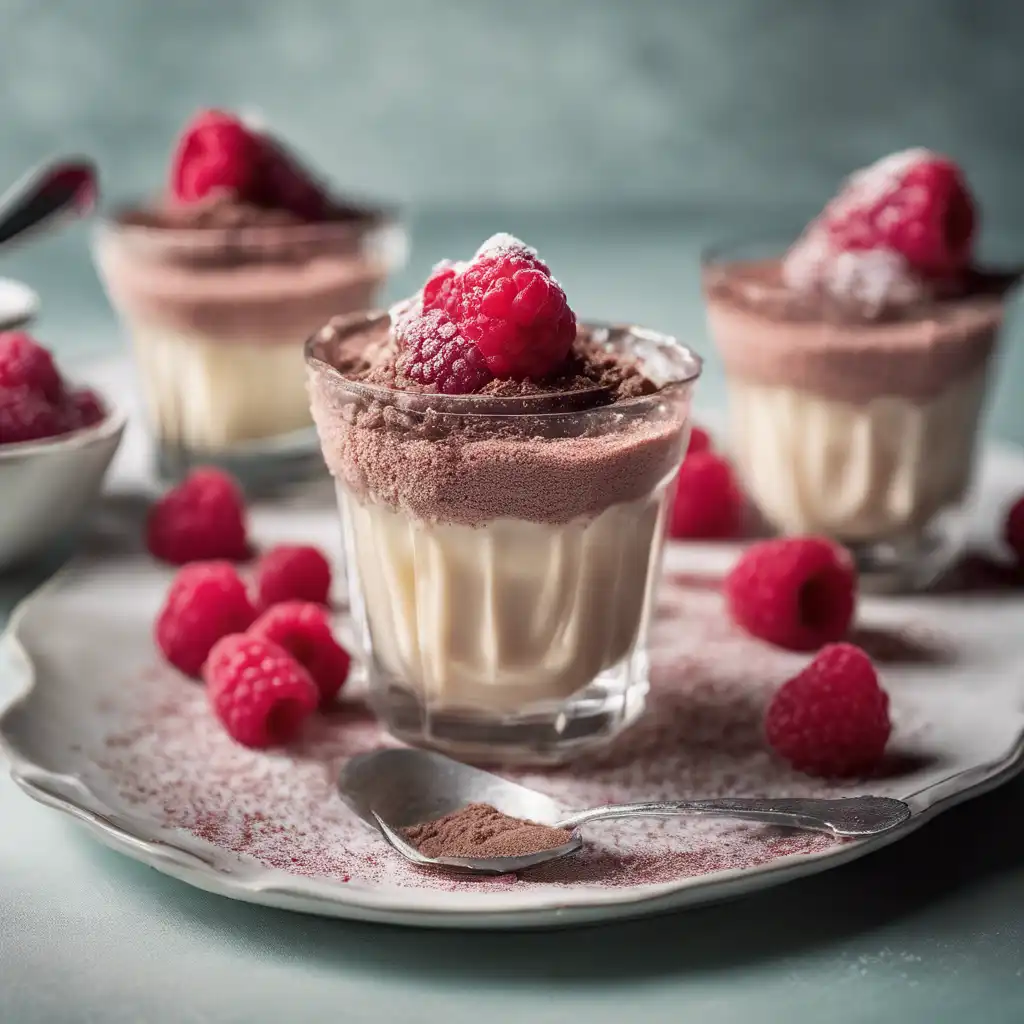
(928, 931)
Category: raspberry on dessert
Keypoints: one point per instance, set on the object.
(293, 572)
(1013, 530)
(287, 185)
(832, 719)
(205, 602)
(259, 693)
(797, 593)
(434, 354)
(26, 416)
(708, 503)
(700, 441)
(507, 304)
(24, 363)
(914, 203)
(303, 629)
(202, 518)
(216, 154)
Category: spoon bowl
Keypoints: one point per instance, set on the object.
(393, 789)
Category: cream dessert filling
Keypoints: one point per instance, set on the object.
(206, 395)
(506, 615)
(854, 470)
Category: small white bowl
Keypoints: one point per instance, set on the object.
(48, 486)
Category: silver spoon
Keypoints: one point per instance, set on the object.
(56, 189)
(393, 789)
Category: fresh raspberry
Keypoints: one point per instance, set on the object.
(261, 695)
(435, 355)
(217, 153)
(507, 304)
(304, 631)
(914, 203)
(293, 572)
(205, 601)
(26, 416)
(700, 441)
(82, 408)
(708, 503)
(287, 185)
(832, 719)
(24, 363)
(797, 593)
(202, 518)
(1013, 531)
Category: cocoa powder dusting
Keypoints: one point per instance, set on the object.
(480, 830)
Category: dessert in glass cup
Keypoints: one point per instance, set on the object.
(502, 475)
(220, 281)
(857, 361)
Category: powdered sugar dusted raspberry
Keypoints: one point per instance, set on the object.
(502, 242)
(701, 736)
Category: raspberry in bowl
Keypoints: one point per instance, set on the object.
(56, 443)
(503, 475)
(857, 359)
(220, 281)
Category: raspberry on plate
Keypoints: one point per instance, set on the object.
(27, 416)
(506, 303)
(797, 593)
(216, 154)
(832, 719)
(915, 203)
(205, 602)
(708, 503)
(436, 355)
(293, 572)
(260, 694)
(25, 364)
(1013, 530)
(304, 630)
(202, 518)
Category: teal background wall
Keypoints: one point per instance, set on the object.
(620, 133)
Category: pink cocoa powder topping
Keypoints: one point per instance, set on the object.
(480, 830)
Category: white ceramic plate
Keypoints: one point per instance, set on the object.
(18, 304)
(97, 728)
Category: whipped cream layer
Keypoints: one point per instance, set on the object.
(503, 617)
(854, 471)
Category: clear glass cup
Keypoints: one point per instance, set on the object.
(502, 553)
(864, 430)
(218, 317)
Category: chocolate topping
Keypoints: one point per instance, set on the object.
(783, 337)
(475, 458)
(227, 211)
(480, 830)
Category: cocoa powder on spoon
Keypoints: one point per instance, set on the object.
(480, 830)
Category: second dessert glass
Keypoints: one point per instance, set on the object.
(502, 552)
(218, 317)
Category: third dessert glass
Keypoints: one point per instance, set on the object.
(502, 478)
(856, 361)
(220, 283)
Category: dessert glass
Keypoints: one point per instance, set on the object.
(857, 428)
(502, 553)
(218, 317)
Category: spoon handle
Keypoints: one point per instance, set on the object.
(45, 193)
(849, 816)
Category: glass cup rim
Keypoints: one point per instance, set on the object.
(491, 406)
(780, 238)
(377, 217)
